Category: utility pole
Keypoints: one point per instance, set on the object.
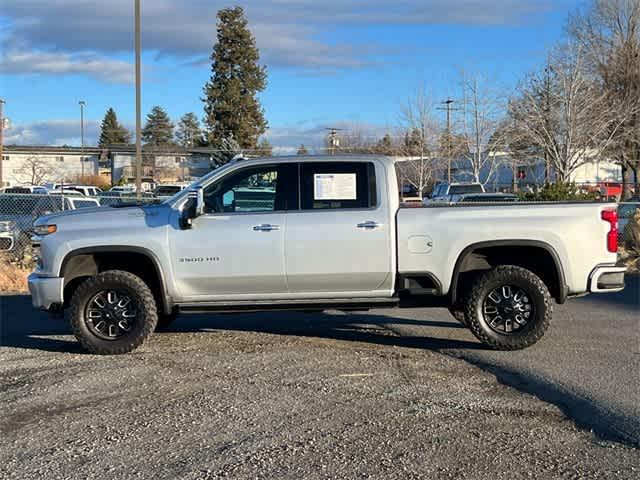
(138, 114)
(1, 138)
(82, 104)
(448, 108)
(333, 140)
(547, 93)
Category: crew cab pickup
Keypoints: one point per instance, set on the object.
(313, 233)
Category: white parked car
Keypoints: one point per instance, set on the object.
(313, 233)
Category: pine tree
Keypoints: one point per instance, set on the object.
(232, 108)
(158, 129)
(385, 145)
(111, 131)
(302, 150)
(188, 131)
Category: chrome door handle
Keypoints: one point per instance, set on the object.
(265, 227)
(368, 225)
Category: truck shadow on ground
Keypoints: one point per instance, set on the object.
(22, 327)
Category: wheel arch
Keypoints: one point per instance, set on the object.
(89, 261)
(488, 254)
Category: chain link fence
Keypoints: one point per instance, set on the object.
(18, 211)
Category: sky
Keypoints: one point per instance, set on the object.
(330, 64)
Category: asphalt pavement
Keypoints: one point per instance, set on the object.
(588, 363)
(383, 394)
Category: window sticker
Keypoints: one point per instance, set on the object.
(334, 186)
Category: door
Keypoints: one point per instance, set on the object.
(235, 250)
(340, 239)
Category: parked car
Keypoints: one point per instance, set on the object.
(450, 192)
(18, 211)
(326, 232)
(88, 190)
(486, 197)
(27, 189)
(168, 190)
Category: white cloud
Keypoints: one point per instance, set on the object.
(57, 63)
(51, 132)
(290, 33)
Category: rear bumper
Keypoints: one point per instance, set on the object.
(607, 278)
(46, 292)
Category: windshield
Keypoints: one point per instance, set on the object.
(183, 193)
(459, 189)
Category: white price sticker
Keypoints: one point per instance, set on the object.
(334, 186)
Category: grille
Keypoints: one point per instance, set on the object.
(6, 243)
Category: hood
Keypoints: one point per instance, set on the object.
(104, 218)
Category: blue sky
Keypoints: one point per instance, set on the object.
(329, 63)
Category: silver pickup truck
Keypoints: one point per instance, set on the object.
(312, 233)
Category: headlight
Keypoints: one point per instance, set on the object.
(42, 230)
(6, 226)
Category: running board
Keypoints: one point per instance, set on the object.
(306, 304)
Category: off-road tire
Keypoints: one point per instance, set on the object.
(145, 304)
(458, 312)
(534, 288)
(164, 320)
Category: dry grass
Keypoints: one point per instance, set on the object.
(13, 278)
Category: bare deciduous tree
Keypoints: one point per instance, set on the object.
(482, 109)
(609, 32)
(421, 133)
(36, 169)
(574, 122)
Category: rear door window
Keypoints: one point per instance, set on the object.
(337, 185)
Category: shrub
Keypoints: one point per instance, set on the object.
(96, 180)
(557, 192)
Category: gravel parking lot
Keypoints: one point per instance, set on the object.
(385, 394)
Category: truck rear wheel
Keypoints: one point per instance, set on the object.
(113, 313)
(509, 308)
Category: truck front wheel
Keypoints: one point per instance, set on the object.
(509, 308)
(113, 313)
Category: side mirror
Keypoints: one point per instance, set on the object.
(193, 208)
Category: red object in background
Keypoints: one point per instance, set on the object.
(611, 216)
(522, 174)
(610, 189)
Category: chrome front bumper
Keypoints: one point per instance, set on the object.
(46, 292)
(607, 278)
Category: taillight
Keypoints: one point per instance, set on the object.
(611, 216)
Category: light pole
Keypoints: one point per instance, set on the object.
(82, 103)
(1, 138)
(138, 114)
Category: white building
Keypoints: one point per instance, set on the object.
(44, 164)
(28, 164)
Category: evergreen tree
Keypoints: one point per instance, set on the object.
(232, 108)
(302, 150)
(188, 131)
(158, 129)
(111, 131)
(385, 145)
